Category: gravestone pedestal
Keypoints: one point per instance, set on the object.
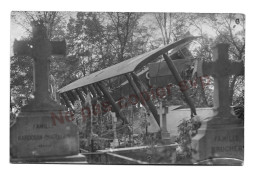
(217, 138)
(35, 137)
(115, 143)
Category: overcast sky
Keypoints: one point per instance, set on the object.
(17, 32)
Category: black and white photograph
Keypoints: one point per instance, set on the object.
(127, 88)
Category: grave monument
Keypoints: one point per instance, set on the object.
(222, 135)
(43, 131)
(163, 110)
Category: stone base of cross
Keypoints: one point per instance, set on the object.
(46, 105)
(215, 140)
(114, 144)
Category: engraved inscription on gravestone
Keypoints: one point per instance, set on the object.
(35, 135)
(227, 144)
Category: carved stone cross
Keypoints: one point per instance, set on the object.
(40, 49)
(221, 68)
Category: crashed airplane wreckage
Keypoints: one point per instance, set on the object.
(136, 79)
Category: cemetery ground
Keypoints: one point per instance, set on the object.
(180, 101)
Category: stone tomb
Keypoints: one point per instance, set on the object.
(176, 115)
(222, 135)
(43, 131)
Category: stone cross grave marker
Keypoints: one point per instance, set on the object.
(43, 131)
(115, 142)
(223, 134)
(40, 49)
(163, 110)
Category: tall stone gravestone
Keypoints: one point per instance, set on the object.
(220, 136)
(43, 131)
(115, 142)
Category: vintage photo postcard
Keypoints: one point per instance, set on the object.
(119, 88)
